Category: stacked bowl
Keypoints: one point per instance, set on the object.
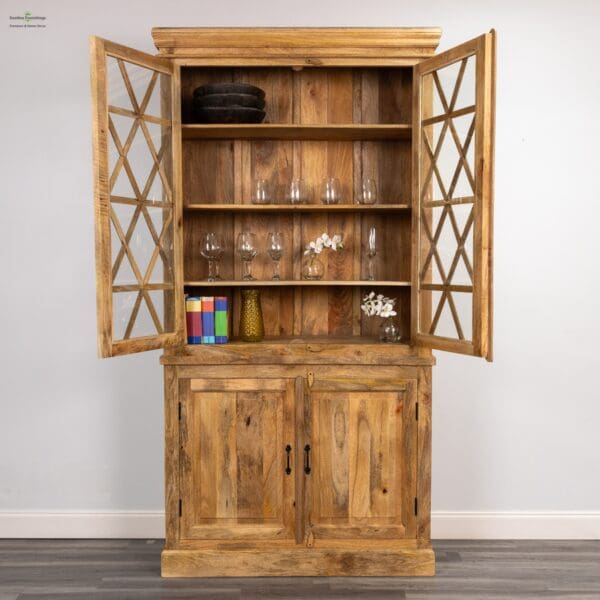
(229, 103)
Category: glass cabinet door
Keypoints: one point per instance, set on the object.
(139, 286)
(453, 137)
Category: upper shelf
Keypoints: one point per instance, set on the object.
(295, 282)
(268, 131)
(299, 208)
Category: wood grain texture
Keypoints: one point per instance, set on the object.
(232, 478)
(171, 408)
(296, 46)
(364, 451)
(297, 562)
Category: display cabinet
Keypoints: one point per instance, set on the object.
(308, 453)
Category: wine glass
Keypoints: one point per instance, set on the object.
(368, 193)
(297, 192)
(261, 192)
(371, 252)
(275, 250)
(212, 248)
(331, 191)
(247, 249)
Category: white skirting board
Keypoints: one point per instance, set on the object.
(444, 525)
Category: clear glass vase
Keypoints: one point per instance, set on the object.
(389, 331)
(312, 268)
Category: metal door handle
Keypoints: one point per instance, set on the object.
(307, 459)
(288, 450)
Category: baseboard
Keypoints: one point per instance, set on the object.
(444, 525)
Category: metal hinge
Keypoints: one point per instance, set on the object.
(416, 411)
(180, 506)
(416, 507)
(179, 411)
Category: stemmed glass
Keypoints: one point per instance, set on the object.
(212, 248)
(275, 250)
(247, 249)
(371, 252)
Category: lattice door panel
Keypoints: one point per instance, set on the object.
(453, 135)
(136, 221)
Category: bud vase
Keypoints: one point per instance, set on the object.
(252, 328)
(389, 331)
(312, 268)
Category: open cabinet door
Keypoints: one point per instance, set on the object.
(453, 152)
(137, 205)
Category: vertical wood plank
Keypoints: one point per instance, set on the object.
(171, 408)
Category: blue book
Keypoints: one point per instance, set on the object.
(208, 319)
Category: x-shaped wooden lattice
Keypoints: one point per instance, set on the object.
(142, 202)
(448, 196)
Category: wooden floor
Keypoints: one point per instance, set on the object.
(129, 569)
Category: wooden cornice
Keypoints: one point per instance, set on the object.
(296, 46)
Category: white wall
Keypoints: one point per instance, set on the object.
(80, 434)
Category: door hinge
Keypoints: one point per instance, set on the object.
(180, 506)
(179, 411)
(416, 506)
(416, 411)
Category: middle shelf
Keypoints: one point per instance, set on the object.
(298, 208)
(300, 282)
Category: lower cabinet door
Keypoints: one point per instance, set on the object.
(361, 459)
(234, 478)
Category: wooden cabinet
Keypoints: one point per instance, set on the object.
(308, 453)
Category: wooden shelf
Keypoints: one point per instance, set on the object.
(299, 208)
(300, 282)
(268, 131)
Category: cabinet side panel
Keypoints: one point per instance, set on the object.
(424, 456)
(171, 457)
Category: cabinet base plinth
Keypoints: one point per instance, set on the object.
(316, 562)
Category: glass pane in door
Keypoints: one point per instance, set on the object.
(141, 198)
(447, 196)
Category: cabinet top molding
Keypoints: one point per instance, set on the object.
(297, 46)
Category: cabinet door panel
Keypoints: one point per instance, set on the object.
(136, 137)
(453, 154)
(363, 453)
(233, 479)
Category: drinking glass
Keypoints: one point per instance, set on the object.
(275, 250)
(247, 249)
(297, 192)
(212, 248)
(368, 192)
(261, 192)
(331, 191)
(371, 248)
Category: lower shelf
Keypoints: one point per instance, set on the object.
(316, 562)
(299, 282)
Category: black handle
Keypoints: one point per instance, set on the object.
(288, 469)
(307, 459)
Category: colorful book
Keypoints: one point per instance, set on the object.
(208, 319)
(221, 321)
(193, 320)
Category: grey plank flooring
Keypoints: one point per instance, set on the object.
(130, 570)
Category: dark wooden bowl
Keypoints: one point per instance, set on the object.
(228, 114)
(249, 100)
(228, 88)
